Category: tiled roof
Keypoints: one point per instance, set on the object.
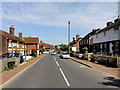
(111, 26)
(31, 40)
(10, 36)
(46, 45)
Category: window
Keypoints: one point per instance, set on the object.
(116, 27)
(104, 33)
(96, 35)
(10, 45)
(14, 44)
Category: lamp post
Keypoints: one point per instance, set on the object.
(69, 35)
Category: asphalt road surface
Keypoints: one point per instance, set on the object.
(53, 72)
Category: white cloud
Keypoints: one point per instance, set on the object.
(93, 15)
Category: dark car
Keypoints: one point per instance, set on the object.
(6, 55)
(19, 55)
(9, 63)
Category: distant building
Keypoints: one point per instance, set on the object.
(46, 46)
(10, 43)
(75, 44)
(107, 40)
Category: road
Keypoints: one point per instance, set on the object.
(54, 72)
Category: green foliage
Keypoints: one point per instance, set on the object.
(64, 47)
(29, 59)
(17, 51)
(34, 51)
(85, 50)
(41, 51)
(56, 47)
(72, 53)
(6, 69)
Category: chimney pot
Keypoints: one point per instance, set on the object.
(12, 28)
(109, 23)
(77, 36)
(116, 20)
(20, 35)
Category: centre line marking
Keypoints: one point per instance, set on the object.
(57, 63)
(54, 58)
(64, 77)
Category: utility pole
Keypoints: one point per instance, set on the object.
(69, 35)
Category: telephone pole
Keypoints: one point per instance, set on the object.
(69, 35)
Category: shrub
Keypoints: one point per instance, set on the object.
(72, 53)
(29, 59)
(17, 51)
(85, 50)
(6, 69)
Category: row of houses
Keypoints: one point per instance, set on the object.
(101, 41)
(10, 43)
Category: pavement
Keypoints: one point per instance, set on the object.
(114, 72)
(53, 72)
(5, 76)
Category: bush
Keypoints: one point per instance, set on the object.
(72, 54)
(85, 50)
(6, 69)
(29, 59)
(17, 51)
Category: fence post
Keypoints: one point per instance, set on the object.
(118, 61)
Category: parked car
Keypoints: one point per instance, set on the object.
(53, 53)
(80, 55)
(45, 52)
(6, 55)
(20, 56)
(65, 55)
(7, 60)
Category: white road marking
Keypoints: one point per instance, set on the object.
(57, 63)
(64, 77)
(54, 58)
(82, 66)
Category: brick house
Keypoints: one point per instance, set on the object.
(32, 43)
(107, 40)
(10, 42)
(87, 41)
(46, 46)
(75, 44)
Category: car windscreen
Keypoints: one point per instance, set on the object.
(16, 54)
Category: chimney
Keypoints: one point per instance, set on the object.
(20, 35)
(41, 41)
(77, 36)
(12, 28)
(93, 30)
(116, 20)
(109, 23)
(73, 38)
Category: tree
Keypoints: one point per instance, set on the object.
(64, 47)
(56, 47)
(34, 52)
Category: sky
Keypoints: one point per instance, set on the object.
(49, 20)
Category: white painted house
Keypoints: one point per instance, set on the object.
(107, 40)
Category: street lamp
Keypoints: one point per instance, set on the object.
(69, 35)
